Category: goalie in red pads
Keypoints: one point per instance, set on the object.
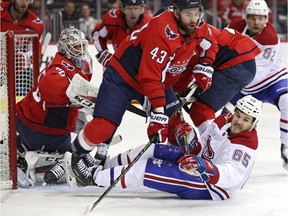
(46, 116)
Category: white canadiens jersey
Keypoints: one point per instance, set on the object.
(269, 68)
(234, 156)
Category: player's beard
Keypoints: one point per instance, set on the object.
(184, 27)
(20, 10)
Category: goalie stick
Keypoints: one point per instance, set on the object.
(89, 208)
(45, 44)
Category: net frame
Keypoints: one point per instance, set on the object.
(12, 42)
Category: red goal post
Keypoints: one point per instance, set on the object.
(19, 69)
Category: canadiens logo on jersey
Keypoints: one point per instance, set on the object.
(170, 34)
(208, 153)
(112, 13)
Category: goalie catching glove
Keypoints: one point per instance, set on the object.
(104, 57)
(202, 75)
(158, 126)
(186, 137)
(197, 166)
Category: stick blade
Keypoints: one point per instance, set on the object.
(88, 210)
(46, 42)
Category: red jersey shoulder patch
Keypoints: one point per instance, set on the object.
(68, 66)
(112, 13)
(170, 34)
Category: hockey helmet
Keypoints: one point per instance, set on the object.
(257, 7)
(132, 2)
(73, 45)
(182, 4)
(251, 106)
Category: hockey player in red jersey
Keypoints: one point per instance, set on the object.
(116, 25)
(17, 16)
(218, 163)
(148, 63)
(270, 83)
(234, 68)
(46, 117)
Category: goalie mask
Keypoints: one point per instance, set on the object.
(73, 45)
(251, 106)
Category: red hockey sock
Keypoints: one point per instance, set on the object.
(200, 112)
(99, 130)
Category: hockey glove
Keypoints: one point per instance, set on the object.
(202, 75)
(196, 166)
(158, 126)
(104, 57)
(284, 156)
(186, 137)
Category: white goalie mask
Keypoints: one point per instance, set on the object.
(251, 106)
(73, 45)
(257, 7)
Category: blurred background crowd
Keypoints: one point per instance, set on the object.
(84, 14)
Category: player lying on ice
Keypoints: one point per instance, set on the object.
(218, 164)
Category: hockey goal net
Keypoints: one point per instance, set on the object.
(19, 68)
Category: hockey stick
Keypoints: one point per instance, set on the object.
(89, 208)
(45, 44)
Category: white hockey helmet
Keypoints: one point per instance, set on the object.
(251, 106)
(257, 7)
(73, 45)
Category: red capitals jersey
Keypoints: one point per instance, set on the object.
(113, 27)
(45, 109)
(29, 20)
(234, 48)
(152, 59)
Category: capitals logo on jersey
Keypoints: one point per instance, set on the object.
(68, 66)
(177, 69)
(170, 34)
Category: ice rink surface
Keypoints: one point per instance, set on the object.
(265, 193)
